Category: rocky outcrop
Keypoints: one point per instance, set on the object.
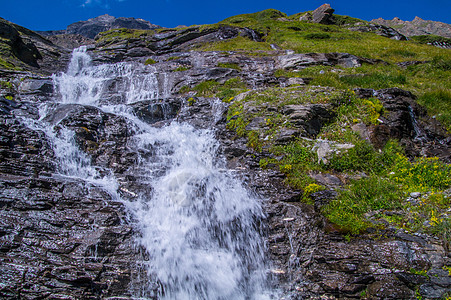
(303, 60)
(322, 15)
(63, 238)
(379, 29)
(90, 28)
(417, 26)
(171, 40)
(406, 121)
(309, 118)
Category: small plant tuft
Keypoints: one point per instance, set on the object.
(150, 61)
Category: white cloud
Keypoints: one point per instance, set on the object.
(101, 3)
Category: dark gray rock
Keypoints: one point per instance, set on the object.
(411, 280)
(322, 198)
(432, 291)
(406, 64)
(69, 241)
(380, 30)
(155, 111)
(256, 123)
(102, 135)
(417, 26)
(326, 179)
(23, 152)
(390, 290)
(286, 136)
(311, 117)
(440, 277)
(303, 60)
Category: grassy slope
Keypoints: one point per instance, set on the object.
(379, 199)
(429, 81)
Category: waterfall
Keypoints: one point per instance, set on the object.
(200, 228)
(420, 135)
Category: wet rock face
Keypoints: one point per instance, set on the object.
(156, 111)
(101, 135)
(407, 122)
(61, 237)
(23, 152)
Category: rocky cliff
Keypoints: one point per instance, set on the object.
(417, 26)
(303, 130)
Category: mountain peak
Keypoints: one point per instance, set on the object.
(103, 18)
(91, 27)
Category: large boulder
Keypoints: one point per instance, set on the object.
(322, 15)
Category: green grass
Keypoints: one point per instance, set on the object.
(316, 36)
(429, 81)
(229, 66)
(150, 61)
(438, 103)
(365, 203)
(211, 88)
(181, 68)
(120, 35)
(424, 39)
(368, 194)
(236, 44)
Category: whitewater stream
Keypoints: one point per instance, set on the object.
(200, 228)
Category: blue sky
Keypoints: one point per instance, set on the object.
(57, 14)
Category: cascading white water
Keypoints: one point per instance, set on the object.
(199, 226)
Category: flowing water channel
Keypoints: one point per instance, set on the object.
(200, 228)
